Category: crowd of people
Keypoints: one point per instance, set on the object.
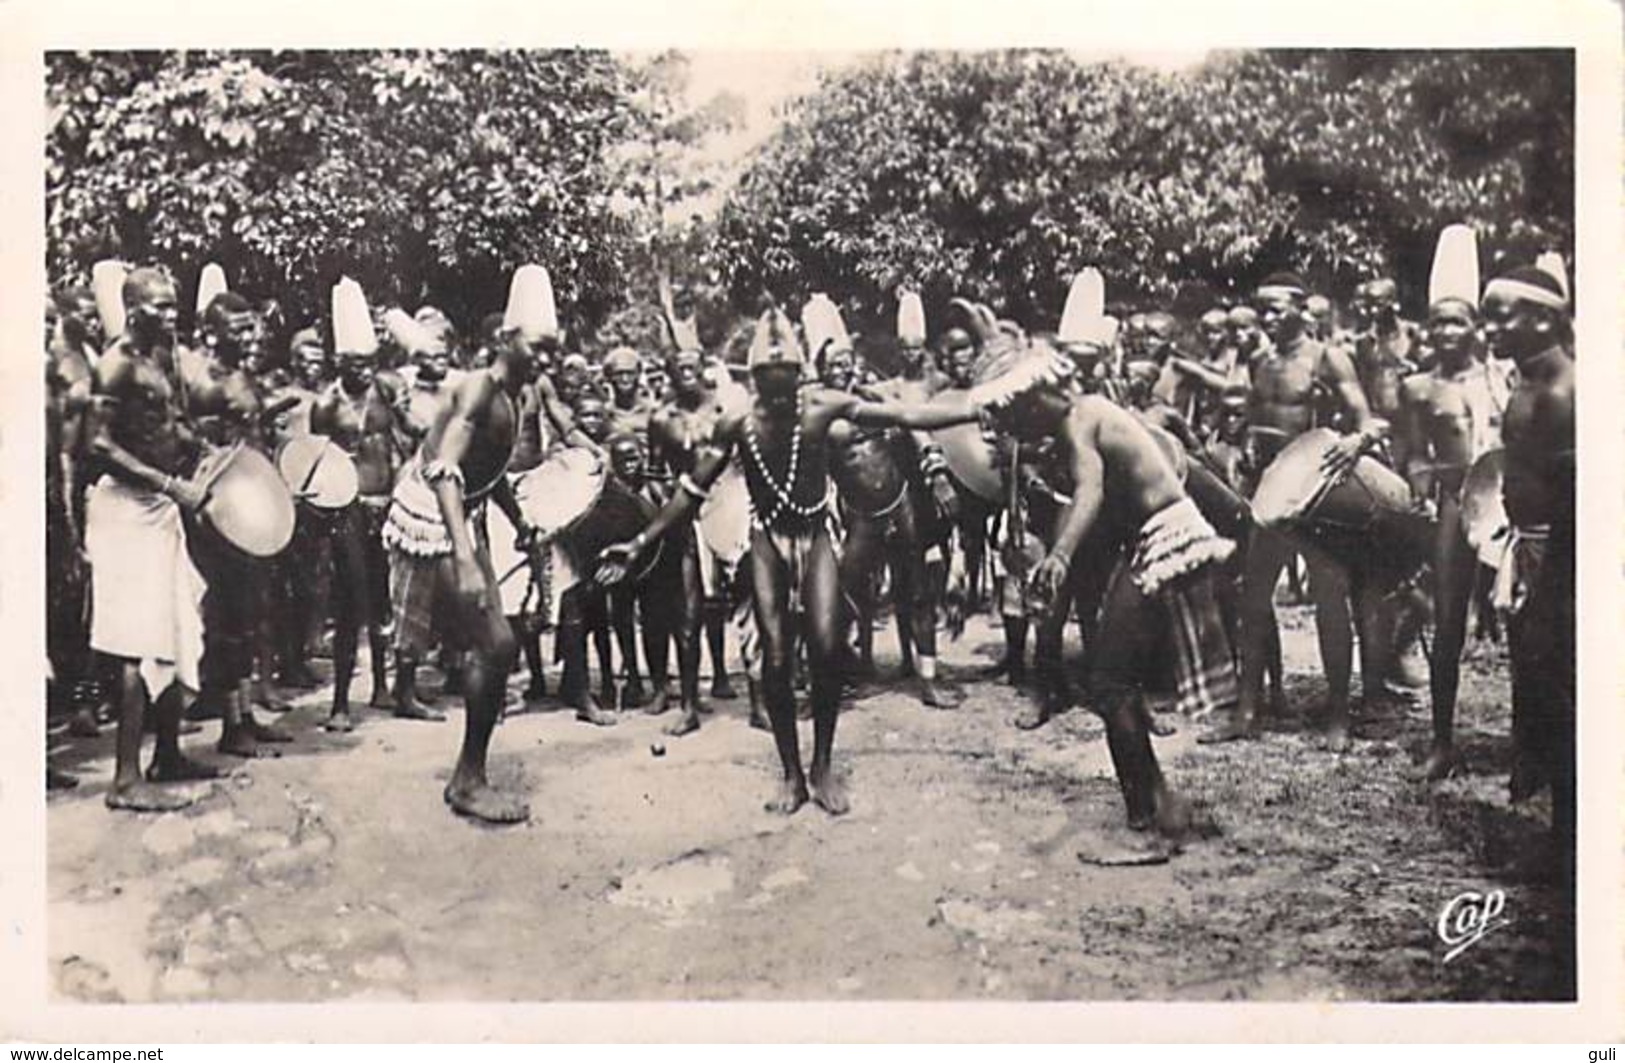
(1151, 478)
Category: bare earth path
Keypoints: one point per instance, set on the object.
(335, 873)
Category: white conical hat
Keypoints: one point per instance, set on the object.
(107, 281)
(911, 319)
(822, 326)
(774, 341)
(352, 322)
(1081, 320)
(1551, 264)
(210, 283)
(530, 304)
(1455, 266)
(409, 333)
(686, 334)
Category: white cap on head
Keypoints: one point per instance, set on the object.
(822, 326)
(774, 341)
(410, 333)
(1551, 263)
(1084, 318)
(1086, 308)
(107, 282)
(352, 322)
(911, 319)
(1455, 266)
(210, 283)
(530, 304)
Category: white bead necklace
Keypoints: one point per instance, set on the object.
(784, 500)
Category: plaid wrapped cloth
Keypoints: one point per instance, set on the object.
(1170, 565)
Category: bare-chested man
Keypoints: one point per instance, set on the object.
(782, 439)
(362, 415)
(147, 594)
(1285, 378)
(1386, 349)
(1124, 495)
(1526, 320)
(629, 408)
(679, 433)
(224, 402)
(444, 568)
(878, 508)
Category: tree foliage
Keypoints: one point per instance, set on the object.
(427, 176)
(1000, 174)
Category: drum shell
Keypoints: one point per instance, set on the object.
(248, 503)
(617, 516)
(970, 457)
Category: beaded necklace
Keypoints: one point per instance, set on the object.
(784, 499)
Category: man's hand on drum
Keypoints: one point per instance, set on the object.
(617, 560)
(1341, 457)
(1048, 577)
(185, 493)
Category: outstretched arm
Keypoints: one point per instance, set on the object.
(943, 411)
(693, 489)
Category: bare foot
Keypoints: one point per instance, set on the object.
(633, 695)
(484, 803)
(659, 703)
(594, 714)
(1160, 727)
(417, 710)
(687, 723)
(145, 797)
(791, 796)
(339, 723)
(1442, 762)
(1032, 717)
(759, 720)
(180, 768)
(83, 724)
(261, 733)
(239, 742)
(943, 697)
(722, 689)
(1126, 852)
(829, 792)
(1235, 729)
(1335, 738)
(380, 697)
(265, 699)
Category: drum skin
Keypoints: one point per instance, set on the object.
(1366, 521)
(247, 501)
(970, 457)
(559, 491)
(318, 471)
(724, 519)
(1483, 510)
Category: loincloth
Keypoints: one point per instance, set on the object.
(146, 594)
(1523, 551)
(1174, 542)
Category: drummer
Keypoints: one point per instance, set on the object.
(1526, 320)
(679, 432)
(222, 398)
(441, 566)
(783, 441)
(1449, 418)
(146, 592)
(1284, 379)
(361, 414)
(296, 593)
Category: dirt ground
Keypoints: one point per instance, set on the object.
(335, 872)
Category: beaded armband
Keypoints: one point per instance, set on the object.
(437, 470)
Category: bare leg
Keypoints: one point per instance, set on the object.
(1267, 553)
(1453, 570)
(1329, 586)
(169, 764)
(773, 620)
(129, 790)
(821, 591)
(407, 704)
(469, 793)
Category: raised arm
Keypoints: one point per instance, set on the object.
(563, 421)
(943, 411)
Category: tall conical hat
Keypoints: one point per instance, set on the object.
(410, 334)
(1551, 263)
(352, 322)
(107, 281)
(210, 283)
(822, 326)
(1455, 266)
(686, 334)
(1082, 321)
(774, 341)
(910, 319)
(530, 304)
